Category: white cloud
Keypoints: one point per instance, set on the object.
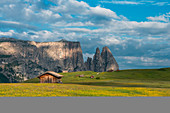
(64, 23)
(86, 55)
(10, 22)
(23, 12)
(111, 40)
(70, 7)
(134, 2)
(145, 61)
(9, 1)
(103, 12)
(78, 29)
(69, 11)
(78, 21)
(16, 25)
(9, 33)
(160, 3)
(122, 2)
(164, 18)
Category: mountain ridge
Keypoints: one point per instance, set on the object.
(21, 60)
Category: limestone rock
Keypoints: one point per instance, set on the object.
(89, 64)
(109, 62)
(102, 62)
(97, 61)
(21, 60)
(29, 59)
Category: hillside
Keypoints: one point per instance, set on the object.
(129, 78)
(136, 82)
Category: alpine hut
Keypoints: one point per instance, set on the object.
(50, 77)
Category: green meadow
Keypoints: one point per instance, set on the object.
(127, 83)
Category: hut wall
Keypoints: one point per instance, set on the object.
(47, 78)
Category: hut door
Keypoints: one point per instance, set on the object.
(49, 80)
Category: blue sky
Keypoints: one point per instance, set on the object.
(136, 31)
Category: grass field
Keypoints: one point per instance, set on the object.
(136, 82)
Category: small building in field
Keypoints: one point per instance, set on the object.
(64, 71)
(50, 77)
(92, 76)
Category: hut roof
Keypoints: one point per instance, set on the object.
(51, 73)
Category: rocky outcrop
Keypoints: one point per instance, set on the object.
(97, 61)
(21, 60)
(89, 64)
(26, 59)
(102, 62)
(109, 62)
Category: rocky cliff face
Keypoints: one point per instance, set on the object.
(26, 59)
(89, 64)
(102, 62)
(109, 62)
(21, 60)
(97, 61)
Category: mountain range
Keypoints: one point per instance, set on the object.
(21, 60)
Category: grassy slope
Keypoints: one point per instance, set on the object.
(155, 78)
(52, 89)
(145, 82)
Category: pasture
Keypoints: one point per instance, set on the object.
(126, 83)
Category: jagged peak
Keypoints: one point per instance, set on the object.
(97, 50)
(106, 49)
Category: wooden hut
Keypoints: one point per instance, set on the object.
(50, 77)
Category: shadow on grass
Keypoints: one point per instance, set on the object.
(115, 84)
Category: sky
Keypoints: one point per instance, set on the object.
(136, 31)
